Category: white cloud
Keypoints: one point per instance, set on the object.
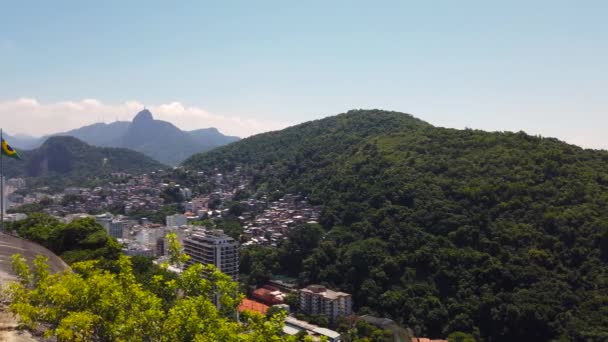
(29, 116)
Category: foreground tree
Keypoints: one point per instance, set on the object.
(86, 304)
(92, 304)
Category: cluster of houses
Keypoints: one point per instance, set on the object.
(312, 300)
(131, 193)
(273, 224)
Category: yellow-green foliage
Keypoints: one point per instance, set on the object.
(88, 303)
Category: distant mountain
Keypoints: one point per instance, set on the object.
(212, 137)
(158, 139)
(100, 134)
(66, 160)
(501, 234)
(165, 142)
(22, 141)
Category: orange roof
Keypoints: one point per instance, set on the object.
(424, 339)
(252, 305)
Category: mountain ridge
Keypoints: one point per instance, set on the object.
(158, 139)
(100, 133)
(163, 134)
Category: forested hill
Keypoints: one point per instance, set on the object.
(304, 144)
(504, 235)
(64, 160)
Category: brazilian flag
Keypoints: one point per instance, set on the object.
(8, 151)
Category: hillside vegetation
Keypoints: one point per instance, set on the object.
(63, 161)
(504, 235)
(79, 240)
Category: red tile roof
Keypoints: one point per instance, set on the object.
(252, 305)
(424, 339)
(264, 294)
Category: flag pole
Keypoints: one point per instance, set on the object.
(1, 185)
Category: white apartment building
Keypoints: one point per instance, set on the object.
(104, 220)
(176, 220)
(215, 248)
(318, 300)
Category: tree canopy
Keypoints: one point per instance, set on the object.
(502, 235)
(92, 303)
(79, 240)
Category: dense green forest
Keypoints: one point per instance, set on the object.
(503, 235)
(66, 161)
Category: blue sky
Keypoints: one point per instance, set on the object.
(248, 66)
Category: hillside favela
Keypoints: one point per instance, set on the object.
(388, 171)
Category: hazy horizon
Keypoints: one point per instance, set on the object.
(190, 128)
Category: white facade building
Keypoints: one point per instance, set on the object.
(215, 248)
(104, 220)
(318, 300)
(176, 220)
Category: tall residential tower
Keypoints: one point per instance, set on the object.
(215, 248)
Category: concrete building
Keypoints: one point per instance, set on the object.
(295, 326)
(160, 246)
(77, 216)
(116, 229)
(318, 300)
(176, 220)
(17, 183)
(15, 217)
(104, 220)
(186, 193)
(138, 250)
(269, 295)
(215, 248)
